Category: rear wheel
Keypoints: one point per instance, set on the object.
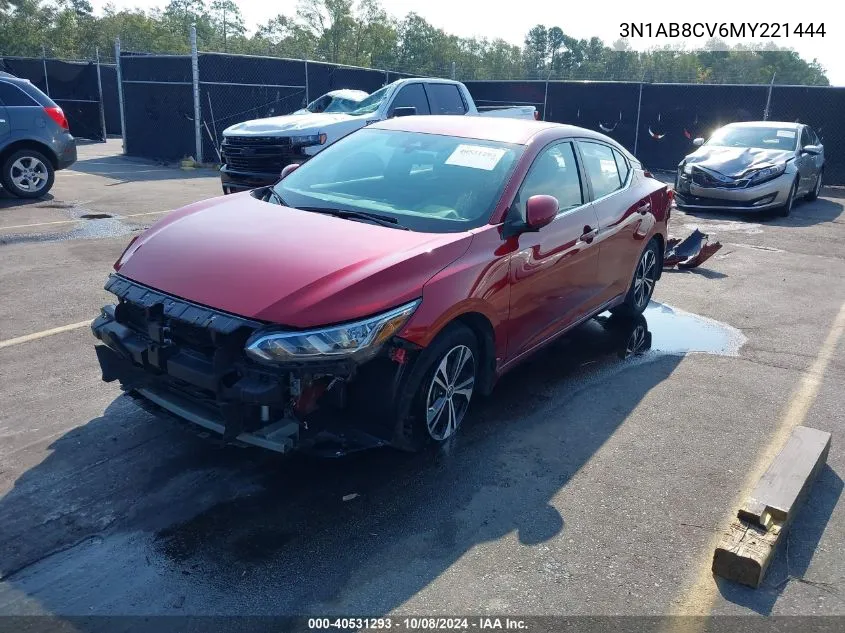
(27, 174)
(642, 285)
(814, 192)
(436, 396)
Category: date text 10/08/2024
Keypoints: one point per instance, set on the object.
(742, 30)
(481, 623)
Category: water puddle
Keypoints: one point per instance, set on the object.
(674, 331)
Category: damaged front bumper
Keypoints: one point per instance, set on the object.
(699, 191)
(189, 361)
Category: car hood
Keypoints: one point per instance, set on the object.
(290, 123)
(282, 265)
(736, 161)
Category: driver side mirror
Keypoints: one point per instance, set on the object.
(698, 142)
(540, 210)
(811, 149)
(404, 111)
(289, 169)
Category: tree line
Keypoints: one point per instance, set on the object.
(362, 33)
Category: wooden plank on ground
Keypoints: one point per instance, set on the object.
(752, 539)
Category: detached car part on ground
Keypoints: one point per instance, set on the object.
(752, 166)
(35, 140)
(379, 288)
(255, 152)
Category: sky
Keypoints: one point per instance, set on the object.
(602, 18)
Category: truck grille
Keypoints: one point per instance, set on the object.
(261, 154)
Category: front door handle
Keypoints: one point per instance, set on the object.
(644, 208)
(588, 235)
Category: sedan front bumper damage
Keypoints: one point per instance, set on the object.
(188, 360)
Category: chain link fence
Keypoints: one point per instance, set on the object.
(86, 90)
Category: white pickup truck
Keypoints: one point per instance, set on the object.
(255, 152)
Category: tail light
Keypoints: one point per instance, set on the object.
(647, 173)
(58, 115)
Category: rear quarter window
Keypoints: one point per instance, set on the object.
(11, 95)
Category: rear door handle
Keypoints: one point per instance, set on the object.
(588, 235)
(644, 208)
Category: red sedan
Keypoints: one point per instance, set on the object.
(376, 289)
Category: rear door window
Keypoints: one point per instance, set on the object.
(601, 168)
(622, 166)
(11, 95)
(412, 95)
(445, 99)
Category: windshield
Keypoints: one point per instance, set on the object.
(427, 182)
(755, 136)
(371, 103)
(327, 103)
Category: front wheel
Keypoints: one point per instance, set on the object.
(642, 285)
(437, 394)
(784, 210)
(27, 174)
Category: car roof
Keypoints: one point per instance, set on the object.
(496, 129)
(766, 124)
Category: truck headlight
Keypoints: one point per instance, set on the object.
(767, 173)
(308, 139)
(356, 339)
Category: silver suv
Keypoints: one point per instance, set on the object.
(34, 138)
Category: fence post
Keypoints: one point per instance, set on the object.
(639, 108)
(100, 93)
(386, 77)
(44, 63)
(195, 73)
(453, 71)
(307, 100)
(120, 93)
(767, 111)
(546, 94)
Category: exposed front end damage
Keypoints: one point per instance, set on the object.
(189, 361)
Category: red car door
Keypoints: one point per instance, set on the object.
(553, 272)
(622, 203)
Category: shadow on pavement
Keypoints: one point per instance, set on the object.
(135, 515)
(803, 214)
(124, 169)
(793, 560)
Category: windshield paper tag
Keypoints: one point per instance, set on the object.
(476, 156)
(786, 133)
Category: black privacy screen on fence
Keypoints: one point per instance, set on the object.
(158, 105)
(73, 86)
(236, 88)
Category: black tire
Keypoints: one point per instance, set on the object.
(642, 283)
(412, 431)
(785, 209)
(40, 179)
(813, 194)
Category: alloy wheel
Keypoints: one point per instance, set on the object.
(644, 278)
(29, 174)
(636, 342)
(449, 392)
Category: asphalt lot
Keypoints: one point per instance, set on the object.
(586, 484)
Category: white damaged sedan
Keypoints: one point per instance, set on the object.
(752, 166)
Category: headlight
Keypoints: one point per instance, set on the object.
(308, 139)
(767, 173)
(687, 168)
(357, 339)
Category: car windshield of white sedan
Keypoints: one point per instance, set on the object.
(423, 182)
(757, 137)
